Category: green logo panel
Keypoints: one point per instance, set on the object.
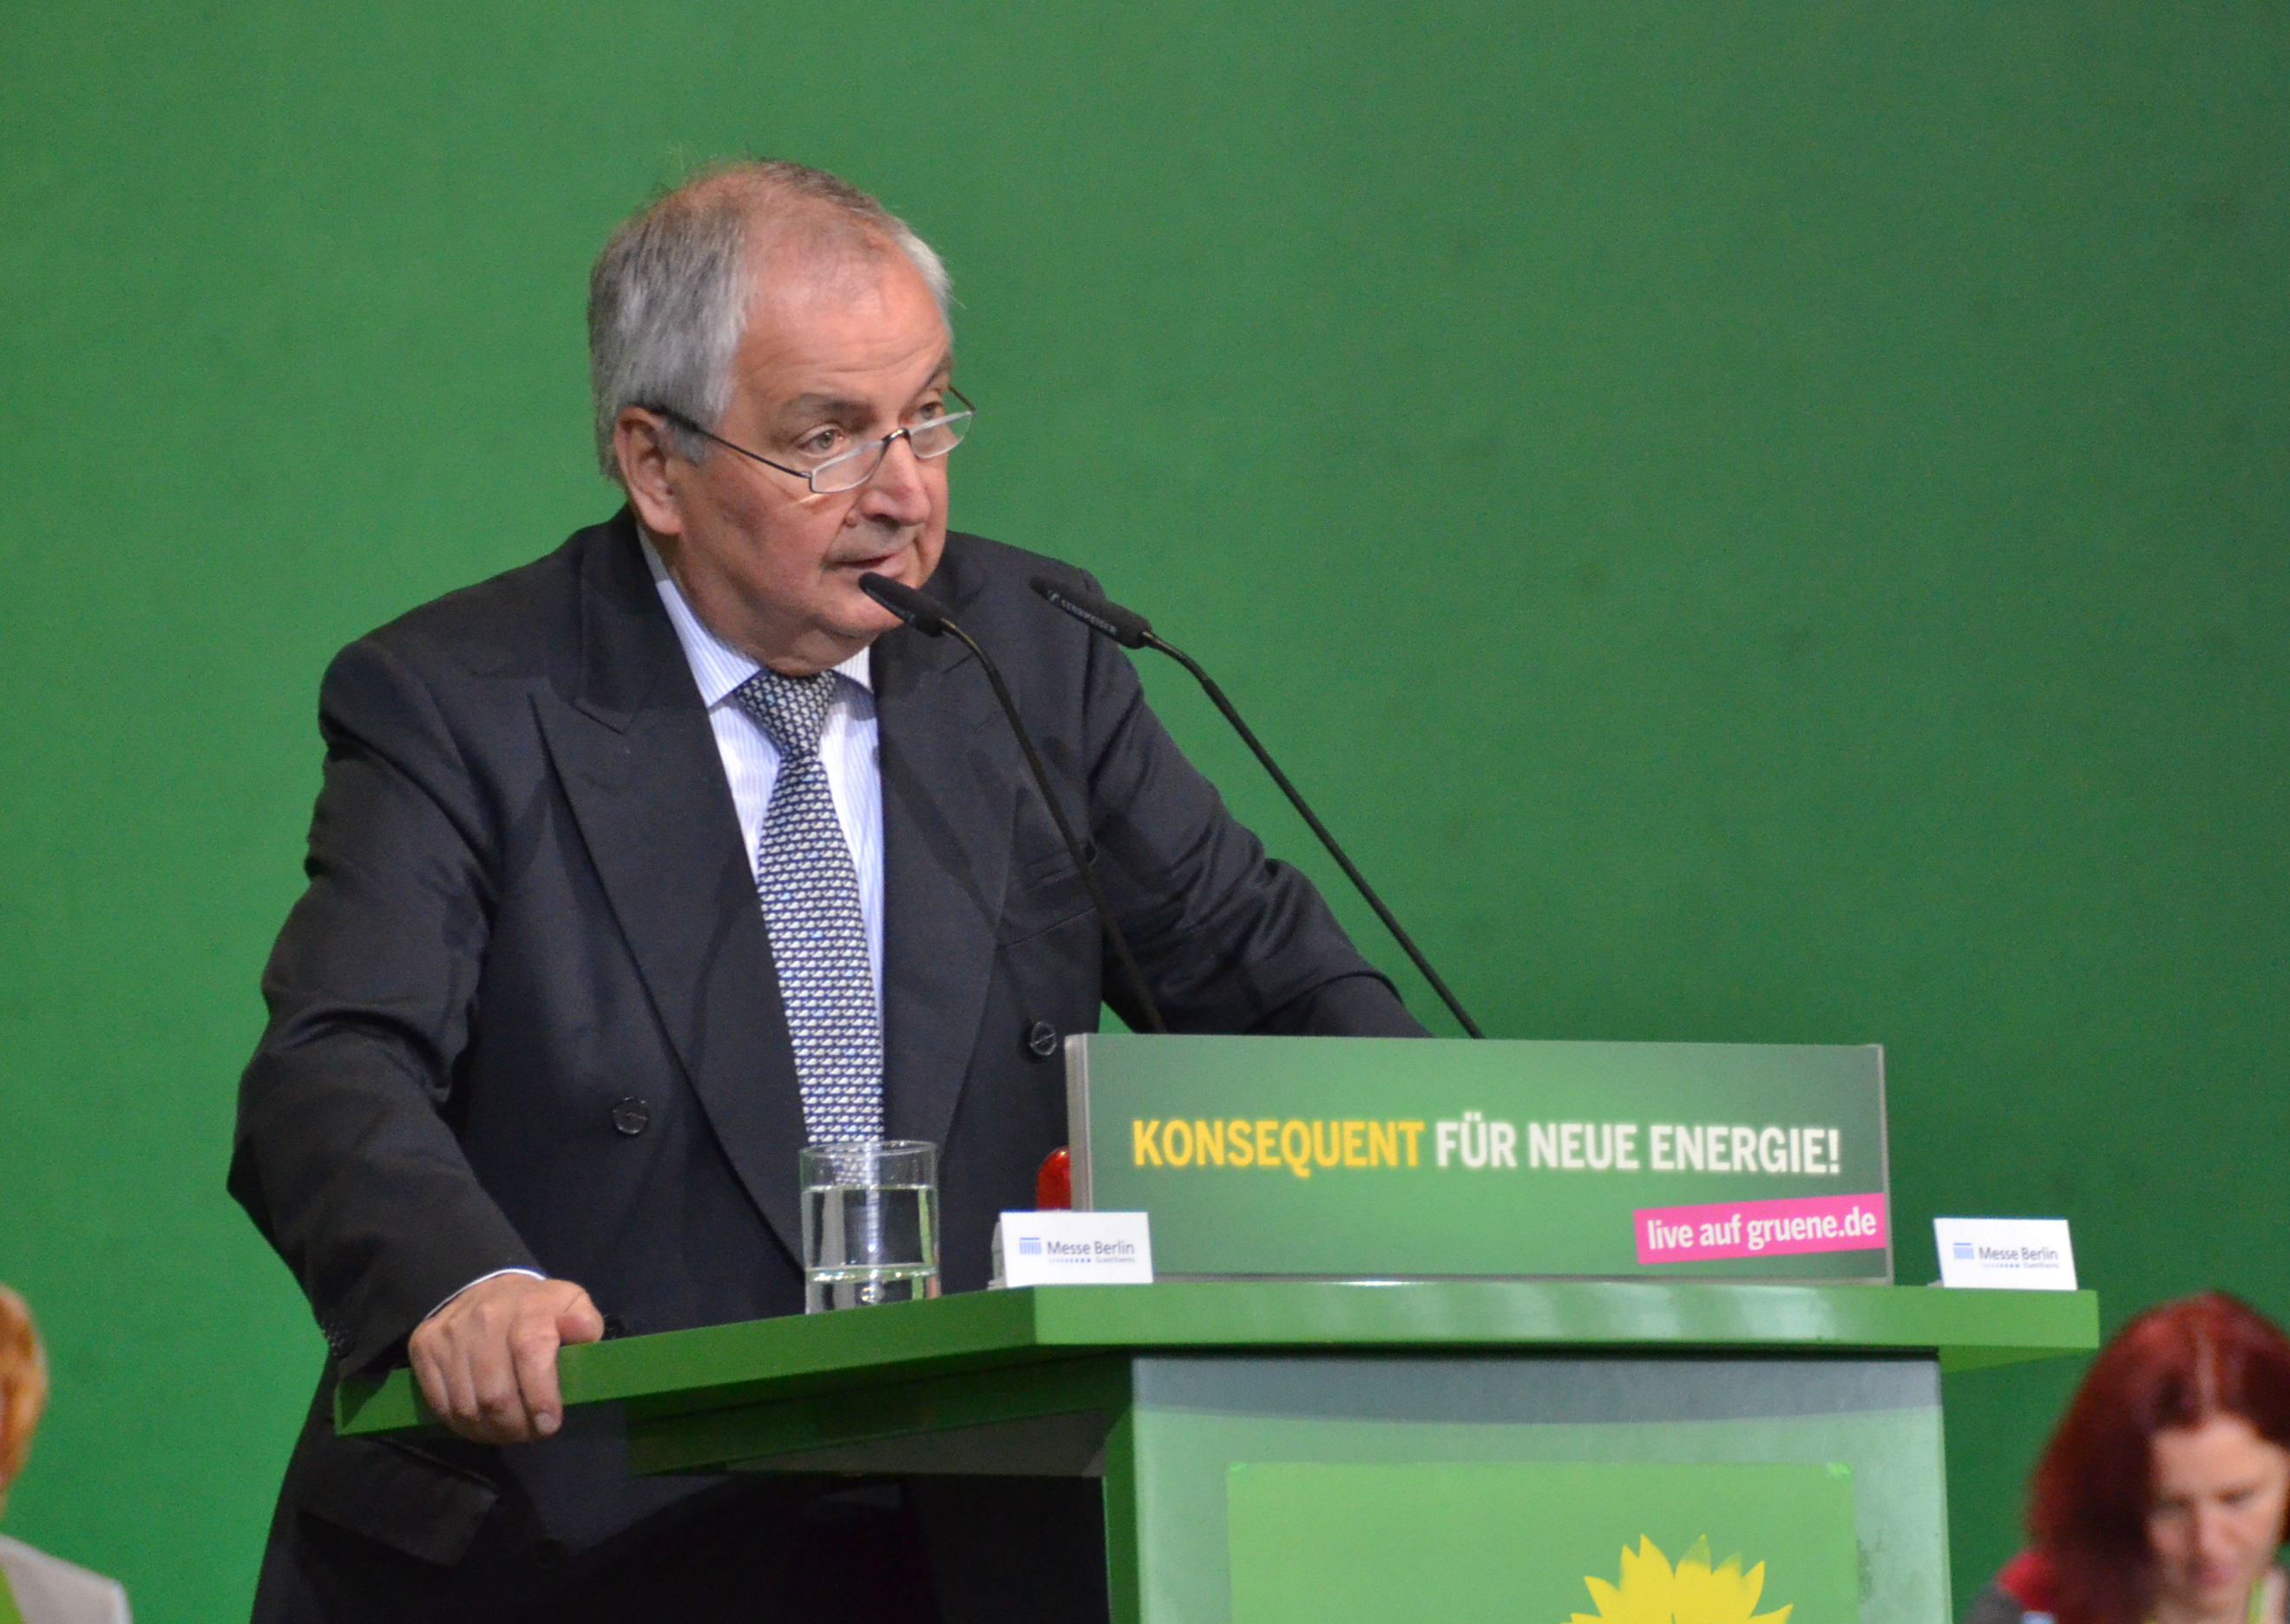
(1543, 1544)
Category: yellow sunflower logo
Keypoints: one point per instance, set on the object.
(1652, 1592)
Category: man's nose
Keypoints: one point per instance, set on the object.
(899, 492)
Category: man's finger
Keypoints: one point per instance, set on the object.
(459, 1409)
(500, 1407)
(427, 1372)
(578, 1320)
(533, 1349)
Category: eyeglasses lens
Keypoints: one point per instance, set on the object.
(852, 469)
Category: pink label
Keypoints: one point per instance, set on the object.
(1760, 1229)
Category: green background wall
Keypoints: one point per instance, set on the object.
(1759, 522)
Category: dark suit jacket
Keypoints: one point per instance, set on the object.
(530, 906)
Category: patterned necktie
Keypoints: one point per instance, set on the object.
(810, 892)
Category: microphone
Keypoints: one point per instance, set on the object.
(1133, 630)
(929, 616)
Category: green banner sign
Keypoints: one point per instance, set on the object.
(1353, 1158)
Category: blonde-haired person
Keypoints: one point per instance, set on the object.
(36, 1588)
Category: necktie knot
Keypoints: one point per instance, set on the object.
(792, 709)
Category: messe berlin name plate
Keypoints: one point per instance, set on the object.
(1408, 1158)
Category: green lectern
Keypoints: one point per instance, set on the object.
(1306, 1450)
(1373, 1443)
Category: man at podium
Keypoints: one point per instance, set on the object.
(541, 1054)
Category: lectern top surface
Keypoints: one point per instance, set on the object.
(706, 1366)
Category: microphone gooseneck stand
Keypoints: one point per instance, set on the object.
(929, 616)
(1133, 630)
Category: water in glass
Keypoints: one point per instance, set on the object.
(869, 1244)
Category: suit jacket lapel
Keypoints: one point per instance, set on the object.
(948, 798)
(638, 761)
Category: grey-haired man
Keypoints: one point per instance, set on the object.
(541, 1052)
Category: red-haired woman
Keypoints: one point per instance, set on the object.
(2163, 1494)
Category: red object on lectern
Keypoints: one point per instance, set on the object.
(1054, 1185)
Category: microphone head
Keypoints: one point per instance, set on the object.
(1125, 626)
(919, 610)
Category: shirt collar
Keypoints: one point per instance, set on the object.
(716, 665)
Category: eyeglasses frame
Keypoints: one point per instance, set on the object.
(882, 447)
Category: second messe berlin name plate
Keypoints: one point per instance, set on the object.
(1409, 1158)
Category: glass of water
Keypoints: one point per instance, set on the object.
(870, 1222)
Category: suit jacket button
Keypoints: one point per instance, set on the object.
(632, 1116)
(1042, 1038)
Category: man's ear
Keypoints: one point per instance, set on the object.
(640, 447)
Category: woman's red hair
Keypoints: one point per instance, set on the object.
(2174, 1366)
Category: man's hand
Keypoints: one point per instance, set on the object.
(487, 1360)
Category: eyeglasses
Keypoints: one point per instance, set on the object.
(848, 470)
